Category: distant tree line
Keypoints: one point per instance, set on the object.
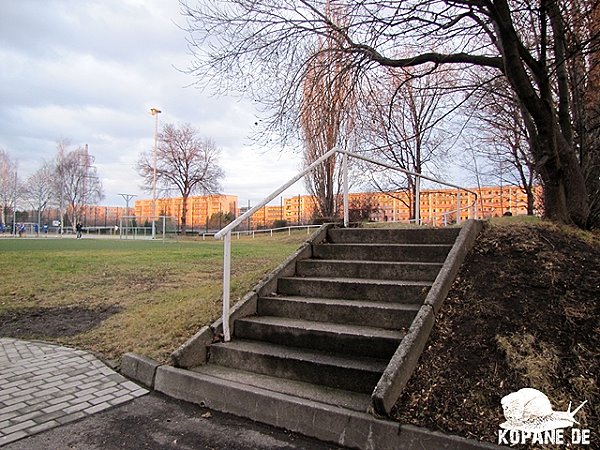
(68, 182)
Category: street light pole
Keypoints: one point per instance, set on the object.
(15, 206)
(155, 112)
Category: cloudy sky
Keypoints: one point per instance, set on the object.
(89, 71)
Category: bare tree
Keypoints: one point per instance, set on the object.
(256, 47)
(584, 78)
(407, 126)
(503, 138)
(184, 161)
(326, 119)
(362, 208)
(40, 189)
(77, 181)
(8, 171)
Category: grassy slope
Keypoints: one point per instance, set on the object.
(523, 312)
(163, 292)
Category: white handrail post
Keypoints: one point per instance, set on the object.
(226, 284)
(418, 200)
(345, 181)
(469, 208)
(457, 207)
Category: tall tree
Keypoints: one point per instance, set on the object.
(584, 78)
(503, 138)
(184, 161)
(40, 189)
(8, 171)
(407, 123)
(256, 47)
(326, 120)
(77, 181)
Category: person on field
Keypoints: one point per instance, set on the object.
(79, 228)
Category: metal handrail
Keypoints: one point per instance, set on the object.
(289, 228)
(268, 199)
(225, 232)
(408, 172)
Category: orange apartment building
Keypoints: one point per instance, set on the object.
(299, 209)
(91, 215)
(436, 205)
(439, 205)
(265, 217)
(201, 209)
(103, 216)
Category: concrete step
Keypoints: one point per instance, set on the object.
(384, 270)
(355, 289)
(394, 316)
(393, 235)
(342, 427)
(346, 339)
(381, 252)
(357, 374)
(346, 399)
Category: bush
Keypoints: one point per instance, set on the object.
(280, 223)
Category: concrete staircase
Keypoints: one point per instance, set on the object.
(326, 343)
(328, 331)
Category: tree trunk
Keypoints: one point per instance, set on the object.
(184, 209)
(574, 182)
(565, 197)
(530, 202)
(590, 146)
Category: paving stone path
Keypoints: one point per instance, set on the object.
(43, 386)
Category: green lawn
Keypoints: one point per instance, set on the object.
(164, 291)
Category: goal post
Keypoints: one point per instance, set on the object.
(131, 228)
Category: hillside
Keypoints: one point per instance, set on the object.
(523, 312)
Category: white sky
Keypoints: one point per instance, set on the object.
(90, 71)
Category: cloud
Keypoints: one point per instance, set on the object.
(91, 71)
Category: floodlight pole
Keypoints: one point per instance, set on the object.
(127, 197)
(15, 205)
(155, 112)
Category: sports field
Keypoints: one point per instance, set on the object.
(115, 296)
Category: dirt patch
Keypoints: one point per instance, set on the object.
(40, 323)
(523, 312)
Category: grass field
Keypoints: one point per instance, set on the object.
(113, 296)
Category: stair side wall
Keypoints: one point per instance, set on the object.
(194, 351)
(405, 359)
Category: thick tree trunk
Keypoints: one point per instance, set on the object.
(565, 197)
(590, 145)
(574, 182)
